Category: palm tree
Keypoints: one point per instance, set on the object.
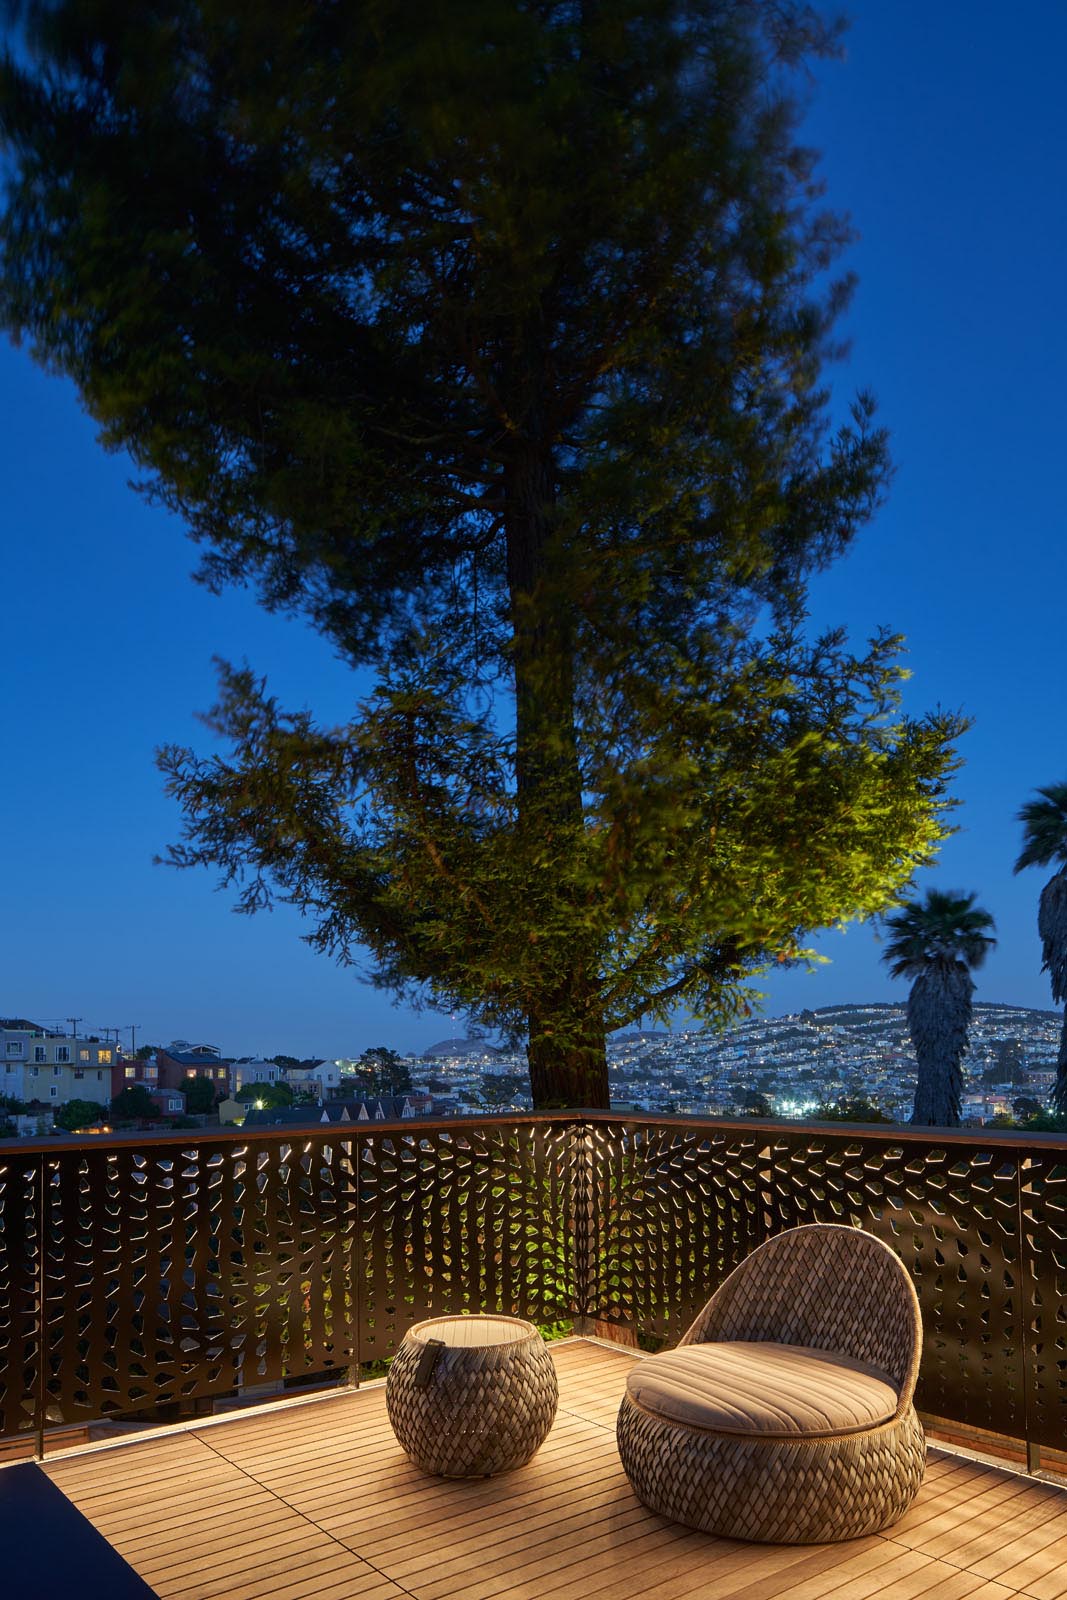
(938, 943)
(1045, 839)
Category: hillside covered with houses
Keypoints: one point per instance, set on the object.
(791, 1066)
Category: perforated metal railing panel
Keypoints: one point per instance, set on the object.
(141, 1273)
(20, 1270)
(675, 1208)
(682, 1206)
(175, 1272)
(1043, 1208)
(463, 1217)
(951, 1213)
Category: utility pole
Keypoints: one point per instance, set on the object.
(74, 1025)
(133, 1027)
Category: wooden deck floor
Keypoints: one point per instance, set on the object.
(317, 1502)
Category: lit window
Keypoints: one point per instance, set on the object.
(190, 1072)
(84, 1055)
(104, 1057)
(221, 1073)
(149, 1072)
(131, 1072)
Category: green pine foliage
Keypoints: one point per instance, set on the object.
(495, 347)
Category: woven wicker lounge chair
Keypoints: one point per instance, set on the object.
(785, 1415)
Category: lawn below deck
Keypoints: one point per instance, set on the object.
(317, 1502)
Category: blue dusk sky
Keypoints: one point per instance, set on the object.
(943, 136)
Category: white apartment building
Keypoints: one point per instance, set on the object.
(323, 1080)
(54, 1068)
(243, 1073)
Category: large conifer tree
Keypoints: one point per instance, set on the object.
(490, 337)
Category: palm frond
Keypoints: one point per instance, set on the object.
(946, 926)
(1044, 828)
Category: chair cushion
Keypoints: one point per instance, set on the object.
(775, 1390)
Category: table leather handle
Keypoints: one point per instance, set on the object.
(431, 1350)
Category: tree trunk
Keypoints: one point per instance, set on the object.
(939, 1014)
(1052, 926)
(1059, 1092)
(567, 1047)
(568, 1061)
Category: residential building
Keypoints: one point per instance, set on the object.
(252, 1072)
(202, 1060)
(130, 1070)
(44, 1065)
(320, 1078)
(380, 1108)
(171, 1102)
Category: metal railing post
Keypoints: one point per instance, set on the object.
(355, 1267)
(41, 1396)
(584, 1222)
(1026, 1289)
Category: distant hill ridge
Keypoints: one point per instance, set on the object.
(462, 1047)
(900, 1006)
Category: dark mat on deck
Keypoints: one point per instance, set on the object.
(49, 1551)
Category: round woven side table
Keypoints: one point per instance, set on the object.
(469, 1397)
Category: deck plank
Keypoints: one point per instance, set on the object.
(318, 1502)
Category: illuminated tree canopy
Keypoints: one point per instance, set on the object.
(495, 348)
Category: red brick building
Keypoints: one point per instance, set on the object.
(175, 1067)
